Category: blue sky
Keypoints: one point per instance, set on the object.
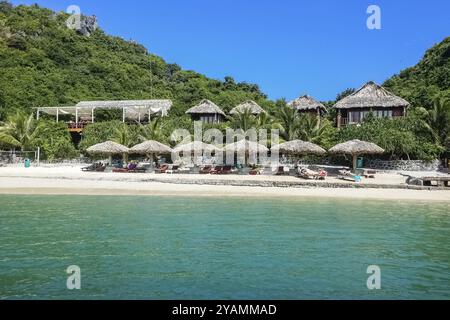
(287, 47)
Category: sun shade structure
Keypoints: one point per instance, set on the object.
(249, 105)
(108, 148)
(206, 111)
(299, 147)
(196, 146)
(370, 98)
(307, 104)
(135, 110)
(356, 148)
(245, 146)
(151, 147)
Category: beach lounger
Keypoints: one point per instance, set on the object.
(227, 170)
(206, 170)
(95, 167)
(347, 175)
(256, 171)
(369, 173)
(217, 170)
(162, 169)
(173, 169)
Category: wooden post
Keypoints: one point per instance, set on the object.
(355, 162)
(92, 115)
(76, 116)
(37, 114)
(339, 118)
(124, 110)
(57, 114)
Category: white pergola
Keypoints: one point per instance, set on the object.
(134, 110)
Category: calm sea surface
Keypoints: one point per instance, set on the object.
(215, 248)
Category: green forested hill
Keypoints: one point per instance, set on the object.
(426, 81)
(43, 63)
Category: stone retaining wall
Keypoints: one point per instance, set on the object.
(403, 165)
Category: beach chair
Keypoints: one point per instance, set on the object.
(173, 169)
(256, 171)
(93, 167)
(227, 170)
(217, 170)
(367, 173)
(162, 169)
(308, 174)
(206, 170)
(349, 176)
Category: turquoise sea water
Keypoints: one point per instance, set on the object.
(213, 248)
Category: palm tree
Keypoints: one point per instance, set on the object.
(311, 128)
(289, 121)
(20, 130)
(244, 120)
(439, 119)
(126, 137)
(152, 131)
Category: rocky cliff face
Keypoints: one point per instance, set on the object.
(88, 25)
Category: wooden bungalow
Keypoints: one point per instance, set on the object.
(370, 98)
(207, 112)
(308, 105)
(249, 105)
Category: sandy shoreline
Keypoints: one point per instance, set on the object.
(71, 181)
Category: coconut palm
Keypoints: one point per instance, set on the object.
(151, 131)
(439, 119)
(289, 121)
(243, 120)
(311, 128)
(20, 130)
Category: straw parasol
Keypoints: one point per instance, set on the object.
(108, 148)
(196, 146)
(250, 106)
(356, 148)
(299, 147)
(151, 147)
(245, 146)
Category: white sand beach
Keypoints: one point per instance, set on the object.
(71, 180)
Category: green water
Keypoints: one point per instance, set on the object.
(212, 248)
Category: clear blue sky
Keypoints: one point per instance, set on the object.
(287, 47)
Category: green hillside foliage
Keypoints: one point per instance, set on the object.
(44, 63)
(429, 80)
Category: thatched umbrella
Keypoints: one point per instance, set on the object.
(356, 148)
(299, 147)
(245, 146)
(108, 148)
(196, 146)
(151, 148)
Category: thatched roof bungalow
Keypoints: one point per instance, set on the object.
(307, 104)
(250, 106)
(207, 111)
(369, 98)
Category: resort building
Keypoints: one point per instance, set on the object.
(207, 112)
(249, 105)
(83, 113)
(371, 98)
(307, 104)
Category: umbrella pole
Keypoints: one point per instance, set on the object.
(355, 162)
(110, 160)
